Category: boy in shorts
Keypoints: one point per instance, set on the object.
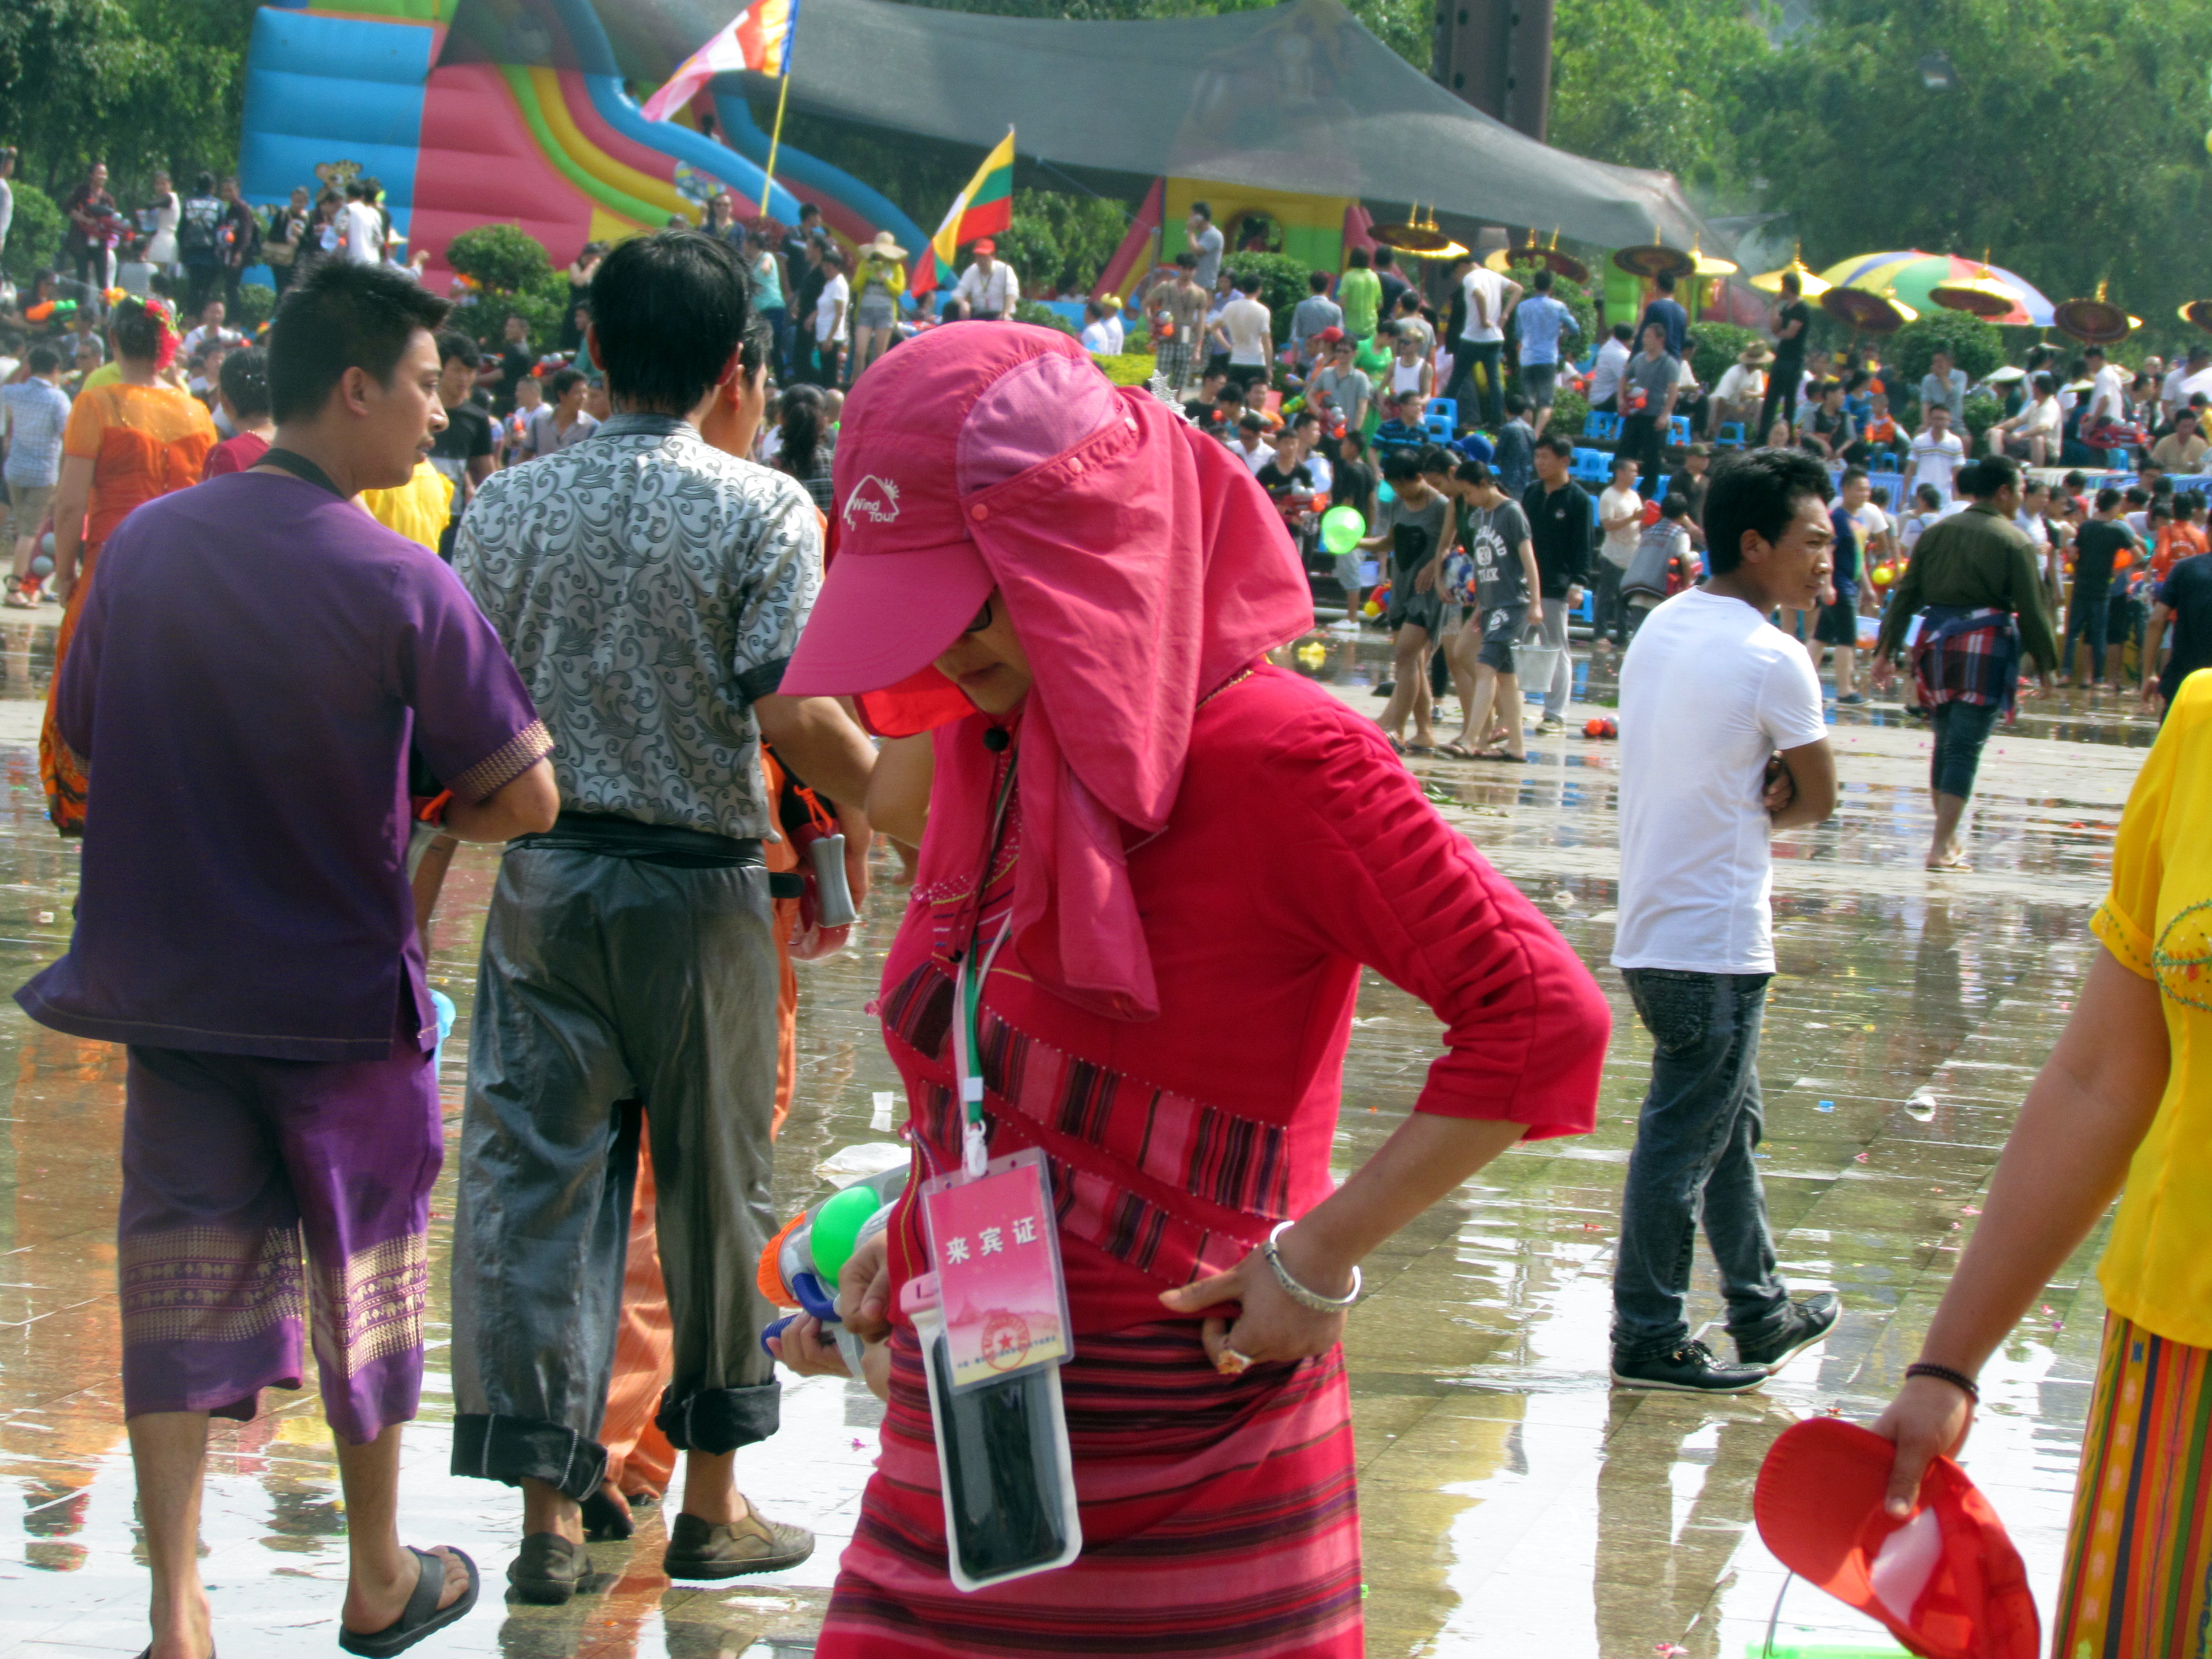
(1504, 555)
(1417, 525)
(1839, 623)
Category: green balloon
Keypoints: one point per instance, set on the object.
(837, 1226)
(1341, 527)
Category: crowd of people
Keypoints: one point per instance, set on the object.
(569, 596)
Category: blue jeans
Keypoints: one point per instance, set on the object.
(2089, 617)
(1961, 729)
(1692, 1162)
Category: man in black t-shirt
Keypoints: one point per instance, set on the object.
(1200, 409)
(1793, 319)
(1562, 524)
(463, 451)
(1288, 484)
(514, 360)
(2101, 546)
(2185, 598)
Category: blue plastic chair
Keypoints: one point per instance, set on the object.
(1438, 426)
(1678, 429)
(1731, 435)
(1602, 427)
(1447, 407)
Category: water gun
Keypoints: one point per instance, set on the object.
(799, 1268)
(51, 309)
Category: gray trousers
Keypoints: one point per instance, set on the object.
(1554, 630)
(610, 984)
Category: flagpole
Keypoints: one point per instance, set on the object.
(775, 137)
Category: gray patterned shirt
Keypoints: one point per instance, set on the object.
(649, 588)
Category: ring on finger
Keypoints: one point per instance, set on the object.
(1233, 1364)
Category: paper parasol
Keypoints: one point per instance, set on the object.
(1652, 259)
(1810, 284)
(1870, 313)
(2094, 322)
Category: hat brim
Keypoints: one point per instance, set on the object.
(882, 617)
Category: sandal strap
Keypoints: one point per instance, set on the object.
(429, 1584)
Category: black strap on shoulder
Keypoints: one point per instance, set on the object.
(291, 461)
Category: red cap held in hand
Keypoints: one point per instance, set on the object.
(1946, 1580)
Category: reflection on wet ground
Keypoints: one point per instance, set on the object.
(1513, 1503)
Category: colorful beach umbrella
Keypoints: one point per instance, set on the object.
(1909, 274)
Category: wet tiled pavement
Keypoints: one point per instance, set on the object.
(1513, 1504)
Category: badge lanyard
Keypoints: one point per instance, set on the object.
(968, 989)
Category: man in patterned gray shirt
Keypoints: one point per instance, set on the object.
(650, 588)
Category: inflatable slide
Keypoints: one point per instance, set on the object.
(515, 111)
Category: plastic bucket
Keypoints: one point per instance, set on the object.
(1536, 664)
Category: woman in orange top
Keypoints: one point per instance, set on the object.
(126, 442)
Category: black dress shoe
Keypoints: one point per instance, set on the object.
(548, 1569)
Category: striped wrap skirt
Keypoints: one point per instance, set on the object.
(1220, 1519)
(2138, 1574)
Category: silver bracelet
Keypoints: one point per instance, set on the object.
(1298, 1293)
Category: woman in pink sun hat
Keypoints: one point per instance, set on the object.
(1172, 860)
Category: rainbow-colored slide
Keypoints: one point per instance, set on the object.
(490, 131)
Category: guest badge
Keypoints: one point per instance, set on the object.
(996, 1249)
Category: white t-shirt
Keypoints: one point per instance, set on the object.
(991, 296)
(1255, 457)
(1605, 375)
(364, 234)
(1709, 691)
(829, 311)
(1934, 459)
(1247, 322)
(1620, 544)
(1873, 521)
(2104, 396)
(1740, 384)
(1485, 283)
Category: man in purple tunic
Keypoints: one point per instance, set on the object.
(250, 668)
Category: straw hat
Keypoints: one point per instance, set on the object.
(885, 247)
(1755, 354)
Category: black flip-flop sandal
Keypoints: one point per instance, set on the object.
(420, 1615)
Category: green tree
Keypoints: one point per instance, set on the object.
(137, 84)
(2072, 146)
(34, 237)
(1975, 346)
(1656, 83)
(1405, 26)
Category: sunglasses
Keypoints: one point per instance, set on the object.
(983, 620)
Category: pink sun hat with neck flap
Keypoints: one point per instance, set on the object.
(935, 423)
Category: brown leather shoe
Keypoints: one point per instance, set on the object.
(709, 1549)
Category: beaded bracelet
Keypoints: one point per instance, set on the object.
(1957, 1380)
(1298, 1293)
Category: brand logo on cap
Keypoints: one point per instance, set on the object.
(875, 495)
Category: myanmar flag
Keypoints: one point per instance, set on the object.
(984, 209)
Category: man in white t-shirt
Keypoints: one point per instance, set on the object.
(988, 287)
(1245, 330)
(2170, 396)
(1605, 373)
(832, 325)
(1721, 742)
(360, 228)
(1937, 454)
(1480, 349)
(1620, 517)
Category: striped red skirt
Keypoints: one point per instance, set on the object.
(2138, 1574)
(1220, 1517)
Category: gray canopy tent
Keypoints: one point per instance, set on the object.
(1299, 97)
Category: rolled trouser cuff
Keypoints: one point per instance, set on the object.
(516, 1449)
(714, 1421)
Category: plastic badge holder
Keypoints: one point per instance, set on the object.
(1003, 1464)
